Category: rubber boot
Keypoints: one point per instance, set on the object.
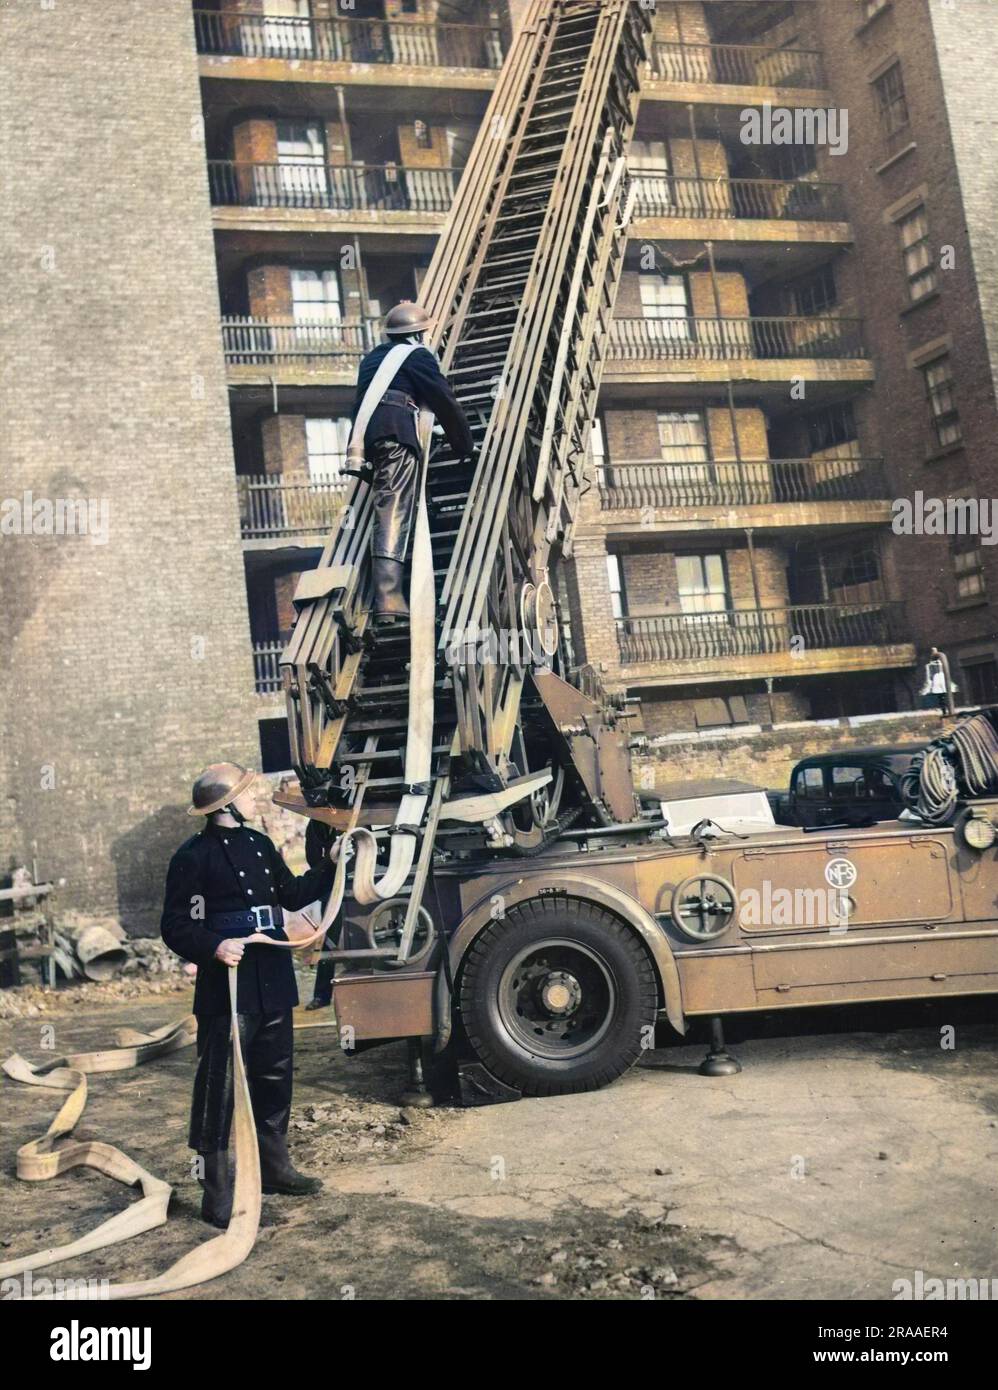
(278, 1174)
(389, 600)
(216, 1204)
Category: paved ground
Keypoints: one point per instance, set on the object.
(838, 1161)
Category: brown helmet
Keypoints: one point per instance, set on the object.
(216, 786)
(407, 318)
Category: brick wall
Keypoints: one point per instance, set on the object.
(767, 758)
(126, 665)
(947, 109)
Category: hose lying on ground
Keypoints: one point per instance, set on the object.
(56, 1152)
(963, 763)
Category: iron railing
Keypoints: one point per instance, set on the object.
(249, 342)
(756, 631)
(289, 504)
(267, 678)
(724, 339)
(661, 194)
(736, 64)
(399, 42)
(728, 482)
(337, 187)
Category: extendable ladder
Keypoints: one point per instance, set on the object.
(521, 287)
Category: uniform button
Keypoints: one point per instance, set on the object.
(250, 891)
(242, 873)
(267, 872)
(259, 854)
(225, 842)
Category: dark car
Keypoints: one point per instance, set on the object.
(858, 786)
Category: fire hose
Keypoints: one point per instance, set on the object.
(57, 1152)
(967, 759)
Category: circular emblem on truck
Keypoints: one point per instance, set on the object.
(841, 873)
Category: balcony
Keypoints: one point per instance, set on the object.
(290, 350)
(639, 483)
(738, 209)
(298, 194)
(279, 507)
(751, 642)
(267, 679)
(728, 339)
(737, 66)
(385, 43)
(765, 353)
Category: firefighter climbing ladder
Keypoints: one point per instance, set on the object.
(521, 287)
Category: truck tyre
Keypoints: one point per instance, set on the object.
(558, 996)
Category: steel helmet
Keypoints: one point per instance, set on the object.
(216, 786)
(407, 318)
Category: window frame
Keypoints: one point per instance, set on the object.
(925, 272)
(948, 419)
(892, 106)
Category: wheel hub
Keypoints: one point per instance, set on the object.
(561, 993)
(556, 998)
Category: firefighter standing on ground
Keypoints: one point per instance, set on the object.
(391, 446)
(222, 884)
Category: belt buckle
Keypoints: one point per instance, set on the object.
(258, 909)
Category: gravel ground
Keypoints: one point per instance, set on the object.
(834, 1163)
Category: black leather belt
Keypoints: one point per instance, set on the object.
(263, 917)
(398, 398)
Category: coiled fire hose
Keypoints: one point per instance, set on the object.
(966, 760)
(56, 1152)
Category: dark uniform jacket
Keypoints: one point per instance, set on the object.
(421, 378)
(230, 869)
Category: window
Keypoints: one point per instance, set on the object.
(424, 140)
(720, 711)
(618, 599)
(682, 436)
(892, 104)
(410, 6)
(794, 161)
(968, 568)
(815, 294)
(831, 429)
(315, 296)
(664, 304)
(980, 681)
(917, 253)
(597, 446)
(326, 444)
(810, 783)
(703, 586)
(853, 576)
(942, 405)
(648, 163)
(847, 783)
(301, 156)
(298, 142)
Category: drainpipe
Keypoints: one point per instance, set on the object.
(714, 291)
(755, 598)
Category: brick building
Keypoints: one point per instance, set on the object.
(792, 352)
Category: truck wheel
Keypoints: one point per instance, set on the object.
(558, 996)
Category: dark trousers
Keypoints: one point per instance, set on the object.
(268, 1051)
(396, 470)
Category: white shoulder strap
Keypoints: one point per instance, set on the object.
(383, 378)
